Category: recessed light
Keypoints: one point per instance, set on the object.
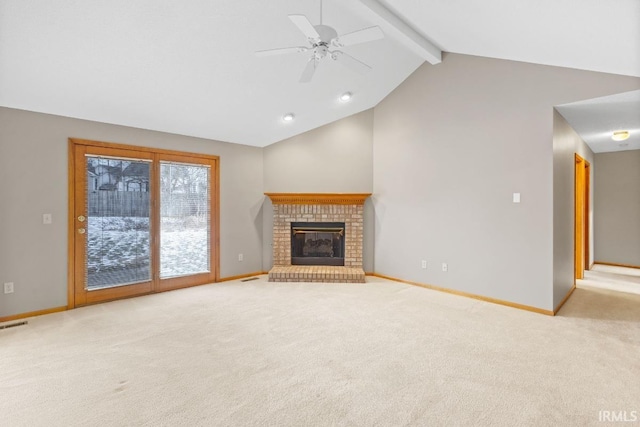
(346, 96)
(620, 135)
(288, 117)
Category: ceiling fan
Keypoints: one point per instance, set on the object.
(323, 41)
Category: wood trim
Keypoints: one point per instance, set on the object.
(215, 221)
(470, 295)
(578, 218)
(155, 224)
(565, 299)
(242, 276)
(117, 292)
(32, 314)
(172, 283)
(71, 172)
(614, 264)
(318, 198)
(78, 208)
(587, 218)
(117, 146)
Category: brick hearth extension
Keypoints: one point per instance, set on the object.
(322, 207)
(316, 273)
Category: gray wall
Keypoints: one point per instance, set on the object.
(451, 145)
(33, 181)
(617, 207)
(442, 154)
(335, 158)
(566, 143)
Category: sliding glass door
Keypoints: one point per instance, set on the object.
(141, 221)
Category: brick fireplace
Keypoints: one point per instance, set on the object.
(299, 208)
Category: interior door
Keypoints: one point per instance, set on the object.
(113, 222)
(581, 217)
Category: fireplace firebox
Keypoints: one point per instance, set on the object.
(317, 243)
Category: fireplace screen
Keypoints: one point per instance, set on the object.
(317, 243)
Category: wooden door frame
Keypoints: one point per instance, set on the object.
(157, 155)
(587, 217)
(581, 206)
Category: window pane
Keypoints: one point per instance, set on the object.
(118, 232)
(184, 219)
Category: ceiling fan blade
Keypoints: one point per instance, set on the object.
(279, 51)
(309, 70)
(350, 62)
(305, 26)
(361, 36)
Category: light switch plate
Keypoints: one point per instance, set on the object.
(516, 197)
(47, 219)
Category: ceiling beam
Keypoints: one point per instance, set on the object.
(420, 45)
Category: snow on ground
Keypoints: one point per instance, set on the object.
(117, 244)
(183, 252)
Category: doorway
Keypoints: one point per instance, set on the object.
(141, 220)
(582, 217)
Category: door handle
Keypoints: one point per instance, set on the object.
(81, 218)
(81, 230)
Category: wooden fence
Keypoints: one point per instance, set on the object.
(137, 204)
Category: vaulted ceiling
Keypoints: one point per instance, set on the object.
(189, 67)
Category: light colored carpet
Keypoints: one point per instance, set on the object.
(621, 279)
(306, 354)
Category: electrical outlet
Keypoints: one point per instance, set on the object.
(424, 263)
(240, 257)
(8, 288)
(445, 267)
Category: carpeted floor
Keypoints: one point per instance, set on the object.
(302, 354)
(621, 279)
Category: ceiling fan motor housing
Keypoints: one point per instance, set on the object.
(326, 33)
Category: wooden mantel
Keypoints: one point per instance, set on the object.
(318, 198)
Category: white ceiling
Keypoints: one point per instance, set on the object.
(595, 120)
(188, 67)
(596, 35)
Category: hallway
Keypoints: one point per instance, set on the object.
(620, 279)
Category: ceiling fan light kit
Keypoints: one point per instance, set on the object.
(322, 39)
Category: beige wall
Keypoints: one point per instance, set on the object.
(451, 145)
(566, 143)
(617, 207)
(335, 158)
(33, 181)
